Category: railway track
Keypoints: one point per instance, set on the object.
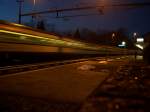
(28, 67)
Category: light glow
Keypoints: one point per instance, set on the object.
(34, 2)
(139, 46)
(54, 41)
(21, 34)
(140, 39)
(123, 43)
(134, 34)
(113, 35)
(120, 45)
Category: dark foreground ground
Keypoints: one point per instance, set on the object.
(124, 90)
(128, 90)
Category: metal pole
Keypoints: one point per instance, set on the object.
(20, 10)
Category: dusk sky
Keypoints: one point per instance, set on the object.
(135, 19)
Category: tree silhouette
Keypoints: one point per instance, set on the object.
(41, 25)
(77, 34)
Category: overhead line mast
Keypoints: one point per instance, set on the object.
(20, 2)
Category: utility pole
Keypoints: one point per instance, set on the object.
(20, 2)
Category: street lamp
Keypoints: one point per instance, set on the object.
(20, 2)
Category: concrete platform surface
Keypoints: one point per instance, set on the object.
(64, 83)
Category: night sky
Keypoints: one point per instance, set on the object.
(135, 20)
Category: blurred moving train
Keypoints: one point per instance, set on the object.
(20, 44)
(19, 38)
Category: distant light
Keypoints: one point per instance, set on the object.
(139, 46)
(140, 39)
(134, 34)
(123, 43)
(136, 78)
(113, 35)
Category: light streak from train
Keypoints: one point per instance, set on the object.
(24, 36)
